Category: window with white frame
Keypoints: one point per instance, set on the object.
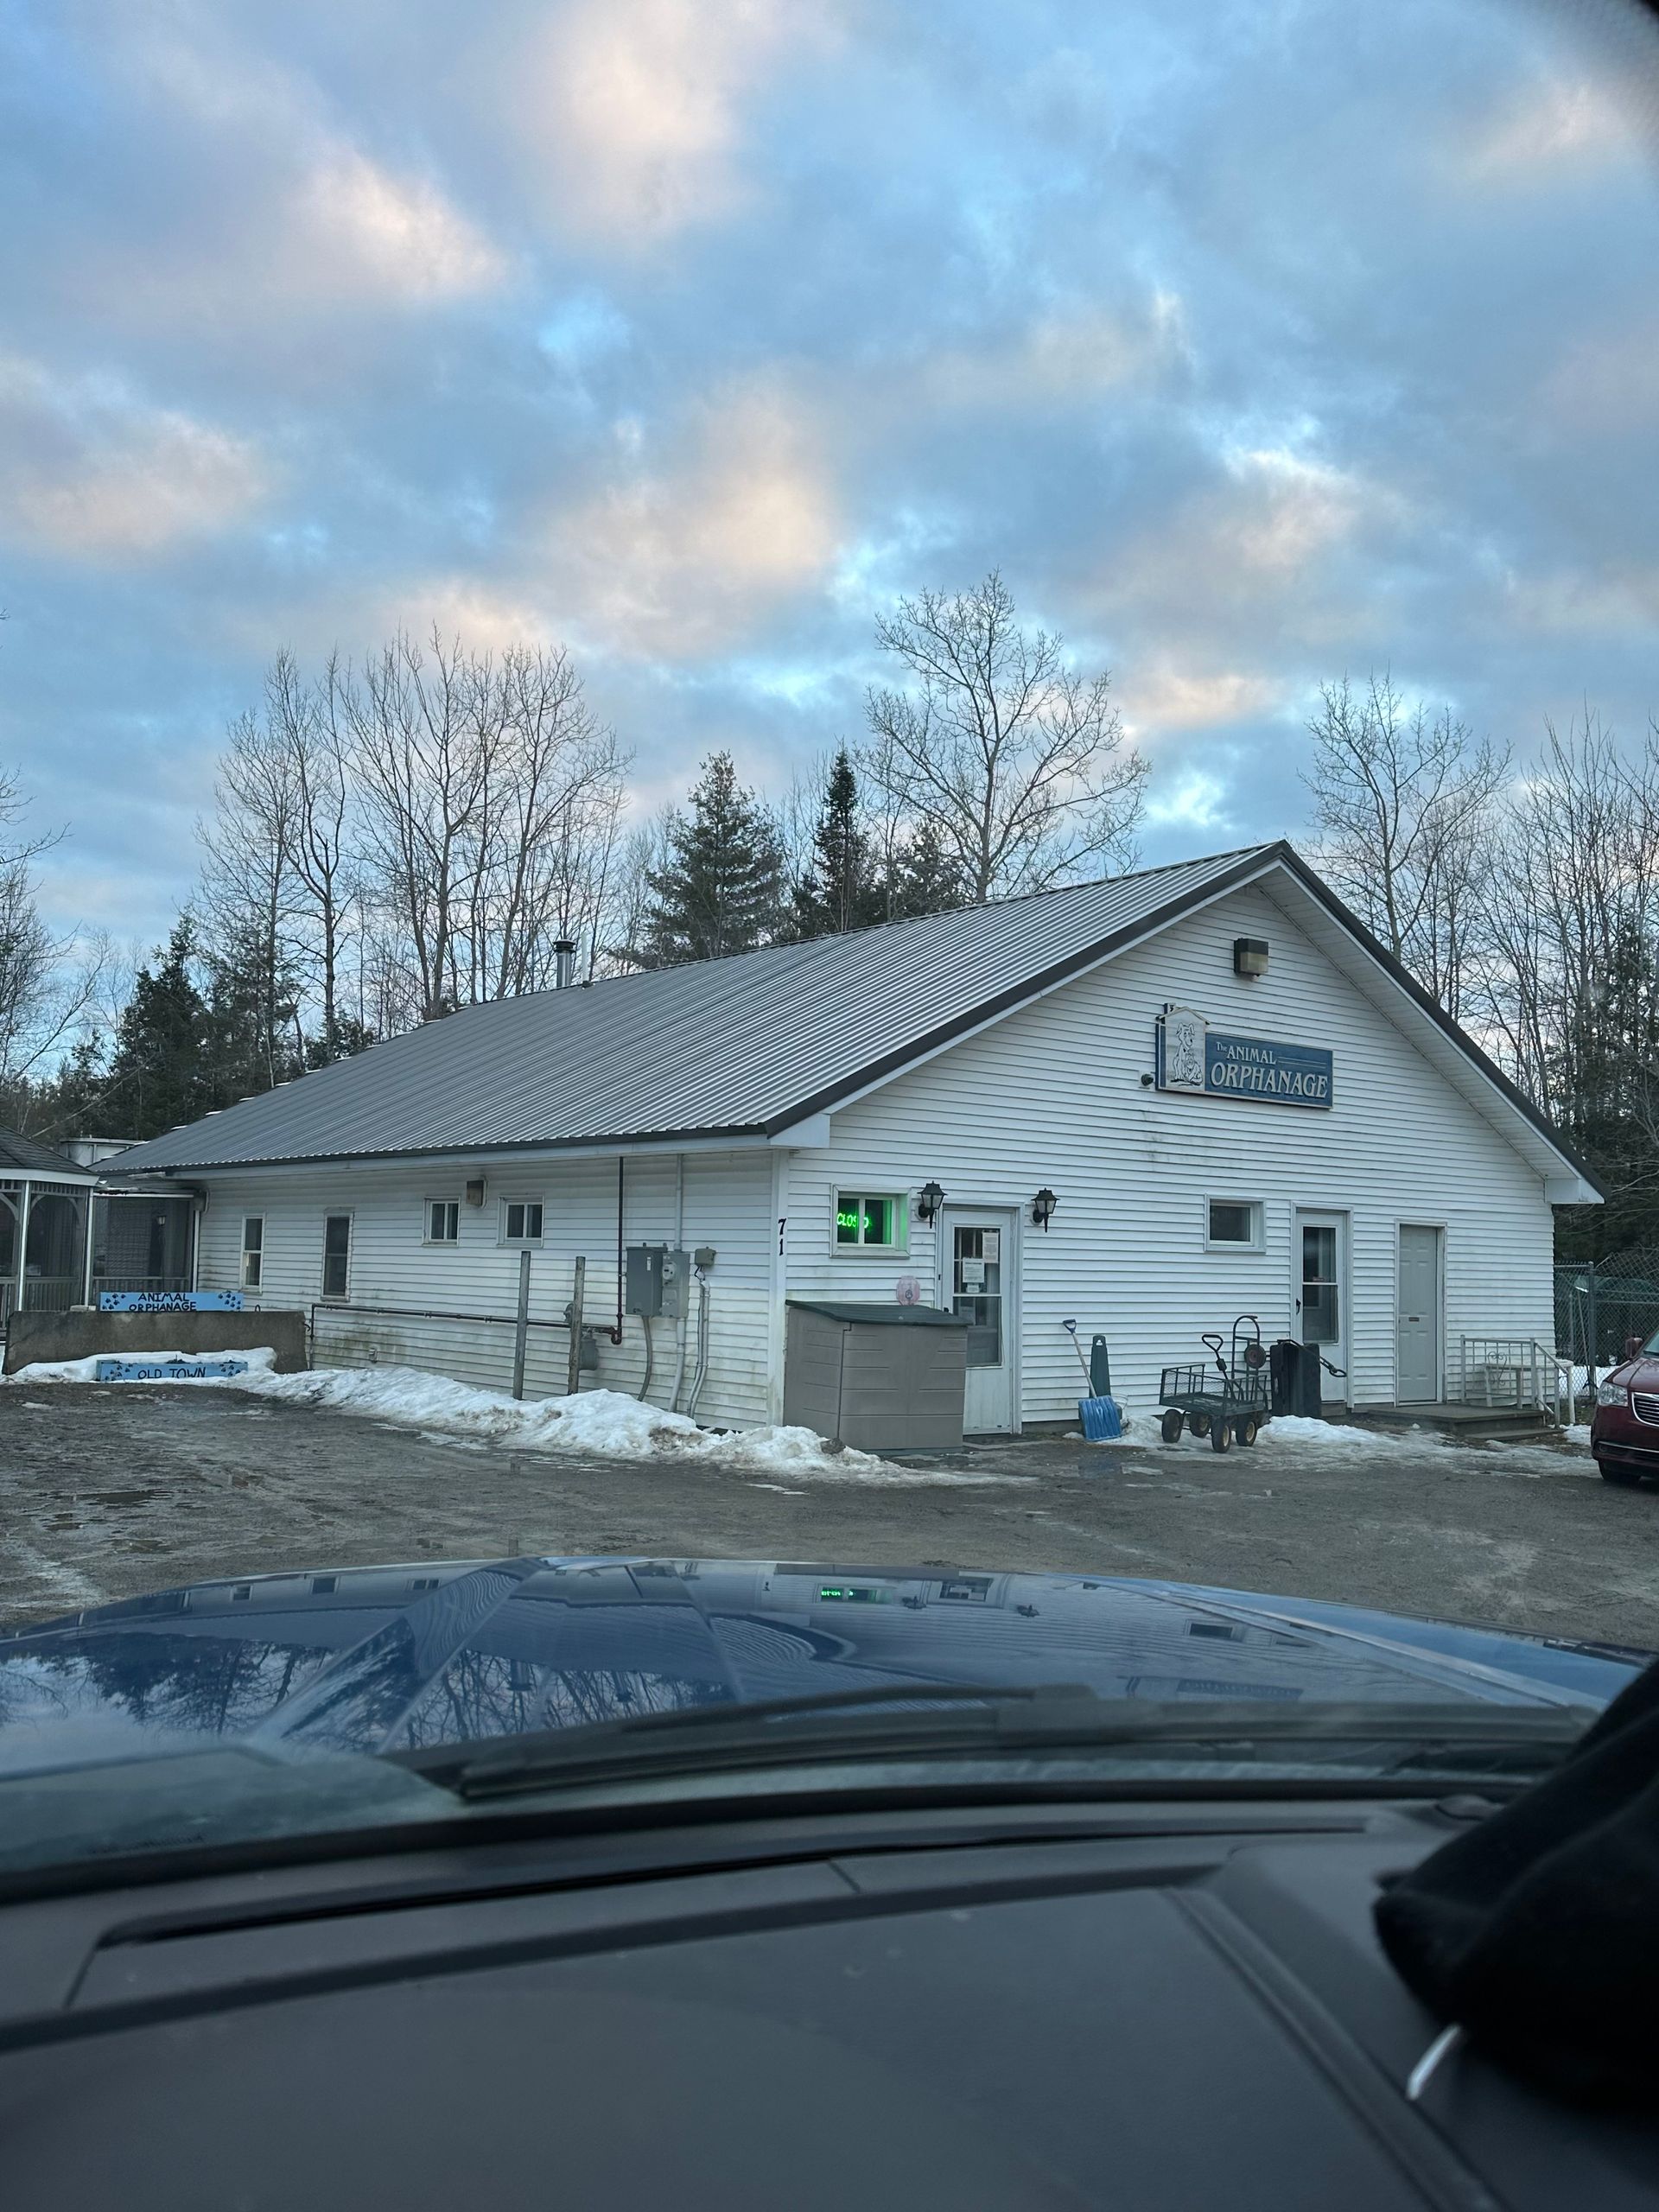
(521, 1221)
(872, 1221)
(1232, 1224)
(443, 1221)
(253, 1250)
(336, 1254)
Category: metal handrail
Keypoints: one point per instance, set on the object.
(1526, 1360)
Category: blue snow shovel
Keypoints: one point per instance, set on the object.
(1102, 1417)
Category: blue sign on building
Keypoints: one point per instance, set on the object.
(168, 1371)
(1193, 1056)
(169, 1301)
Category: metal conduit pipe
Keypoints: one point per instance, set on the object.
(700, 1374)
(679, 1246)
(651, 1356)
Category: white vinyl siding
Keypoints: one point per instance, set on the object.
(1053, 1095)
(727, 1205)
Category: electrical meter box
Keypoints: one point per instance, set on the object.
(654, 1281)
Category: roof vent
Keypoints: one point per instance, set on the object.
(564, 962)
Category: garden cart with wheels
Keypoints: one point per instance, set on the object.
(1226, 1400)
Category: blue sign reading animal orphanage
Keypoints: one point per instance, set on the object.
(169, 1370)
(169, 1301)
(1193, 1056)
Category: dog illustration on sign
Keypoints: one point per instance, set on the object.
(1184, 1034)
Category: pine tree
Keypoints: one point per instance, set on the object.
(838, 891)
(720, 885)
(923, 878)
(160, 1073)
(71, 1104)
(252, 1035)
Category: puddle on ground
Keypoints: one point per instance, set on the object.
(119, 1497)
(139, 1544)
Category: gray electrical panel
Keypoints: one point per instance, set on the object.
(654, 1281)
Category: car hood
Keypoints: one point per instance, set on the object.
(367, 1659)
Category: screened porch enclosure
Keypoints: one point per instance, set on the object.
(42, 1245)
(140, 1242)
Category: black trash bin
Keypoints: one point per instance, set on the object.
(1293, 1374)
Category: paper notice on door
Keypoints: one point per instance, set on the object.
(973, 1274)
(990, 1245)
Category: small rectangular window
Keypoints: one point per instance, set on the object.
(521, 1221)
(443, 1221)
(336, 1254)
(872, 1221)
(253, 1250)
(1233, 1224)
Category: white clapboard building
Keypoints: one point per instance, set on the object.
(1147, 1104)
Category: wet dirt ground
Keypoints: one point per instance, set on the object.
(107, 1493)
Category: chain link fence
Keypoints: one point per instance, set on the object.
(1601, 1303)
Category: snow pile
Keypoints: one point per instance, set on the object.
(602, 1424)
(259, 1362)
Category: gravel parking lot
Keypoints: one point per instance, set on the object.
(105, 1493)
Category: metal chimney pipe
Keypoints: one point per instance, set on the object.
(564, 959)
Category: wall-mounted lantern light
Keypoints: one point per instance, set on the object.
(1249, 956)
(929, 1199)
(1042, 1207)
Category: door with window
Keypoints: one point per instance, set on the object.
(1417, 1317)
(977, 1259)
(1320, 1290)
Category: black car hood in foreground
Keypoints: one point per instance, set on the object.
(372, 1659)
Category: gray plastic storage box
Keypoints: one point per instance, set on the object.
(880, 1378)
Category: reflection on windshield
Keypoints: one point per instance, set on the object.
(355, 1665)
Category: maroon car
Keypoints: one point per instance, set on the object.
(1624, 1428)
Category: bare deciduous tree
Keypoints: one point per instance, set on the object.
(1402, 797)
(1014, 762)
(48, 984)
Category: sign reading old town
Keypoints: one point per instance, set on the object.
(1209, 1063)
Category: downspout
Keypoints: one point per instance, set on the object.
(679, 1246)
(615, 1332)
(90, 1225)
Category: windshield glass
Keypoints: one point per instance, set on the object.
(829, 868)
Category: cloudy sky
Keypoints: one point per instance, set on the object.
(1254, 342)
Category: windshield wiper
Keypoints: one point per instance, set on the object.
(924, 1719)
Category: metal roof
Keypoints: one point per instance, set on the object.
(26, 1156)
(746, 1046)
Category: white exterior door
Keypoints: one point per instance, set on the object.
(977, 1264)
(1319, 1289)
(1417, 1317)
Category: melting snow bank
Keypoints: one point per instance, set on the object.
(604, 1424)
(1289, 1434)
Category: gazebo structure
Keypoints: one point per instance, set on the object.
(46, 1209)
